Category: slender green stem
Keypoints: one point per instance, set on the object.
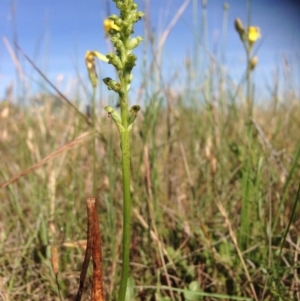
(125, 146)
(249, 98)
(126, 211)
(248, 51)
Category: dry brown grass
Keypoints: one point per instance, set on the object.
(179, 234)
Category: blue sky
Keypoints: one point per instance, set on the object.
(56, 34)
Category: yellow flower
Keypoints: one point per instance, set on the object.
(90, 58)
(91, 67)
(253, 34)
(108, 25)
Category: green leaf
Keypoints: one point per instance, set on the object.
(130, 290)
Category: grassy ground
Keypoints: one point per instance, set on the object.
(195, 182)
(213, 194)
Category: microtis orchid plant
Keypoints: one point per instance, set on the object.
(119, 29)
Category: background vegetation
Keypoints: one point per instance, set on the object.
(211, 209)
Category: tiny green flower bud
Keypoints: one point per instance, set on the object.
(118, 44)
(239, 26)
(113, 17)
(134, 6)
(139, 16)
(132, 115)
(117, 35)
(112, 85)
(130, 62)
(115, 61)
(253, 62)
(134, 42)
(115, 117)
(120, 5)
(226, 6)
(117, 21)
(129, 29)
